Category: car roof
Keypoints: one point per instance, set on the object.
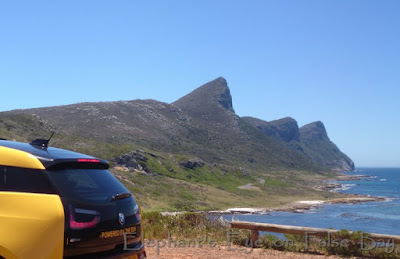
(43, 152)
(47, 155)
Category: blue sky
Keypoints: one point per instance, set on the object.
(334, 61)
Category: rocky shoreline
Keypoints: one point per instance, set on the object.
(303, 206)
(332, 185)
(298, 207)
(295, 207)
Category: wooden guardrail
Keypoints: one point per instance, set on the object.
(295, 230)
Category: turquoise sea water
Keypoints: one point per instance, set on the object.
(371, 217)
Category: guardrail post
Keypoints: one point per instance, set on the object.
(254, 236)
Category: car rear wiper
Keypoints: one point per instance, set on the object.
(121, 196)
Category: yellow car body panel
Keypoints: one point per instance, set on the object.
(32, 225)
(18, 158)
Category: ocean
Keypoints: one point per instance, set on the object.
(371, 217)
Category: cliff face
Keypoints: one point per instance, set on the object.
(311, 140)
(285, 129)
(318, 146)
(314, 131)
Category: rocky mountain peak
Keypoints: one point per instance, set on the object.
(314, 131)
(215, 93)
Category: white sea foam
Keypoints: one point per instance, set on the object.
(244, 210)
(344, 187)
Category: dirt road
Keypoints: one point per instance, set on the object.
(221, 252)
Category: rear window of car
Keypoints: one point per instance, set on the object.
(94, 185)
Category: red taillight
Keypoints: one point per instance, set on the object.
(81, 225)
(85, 160)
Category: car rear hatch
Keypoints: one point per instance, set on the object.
(100, 213)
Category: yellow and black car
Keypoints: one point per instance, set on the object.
(55, 203)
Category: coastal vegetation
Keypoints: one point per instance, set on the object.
(216, 187)
(188, 229)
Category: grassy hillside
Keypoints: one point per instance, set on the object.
(169, 186)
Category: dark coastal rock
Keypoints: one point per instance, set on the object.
(328, 187)
(356, 177)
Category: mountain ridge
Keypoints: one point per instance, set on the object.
(202, 123)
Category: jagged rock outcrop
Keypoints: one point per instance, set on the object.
(130, 160)
(193, 163)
